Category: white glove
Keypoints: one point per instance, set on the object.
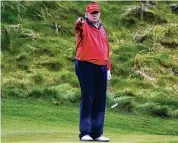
(108, 75)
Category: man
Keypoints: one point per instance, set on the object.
(93, 70)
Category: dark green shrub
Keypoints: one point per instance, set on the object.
(43, 93)
(8, 17)
(5, 38)
(66, 93)
(154, 109)
(49, 93)
(164, 98)
(125, 103)
(161, 111)
(35, 93)
(14, 93)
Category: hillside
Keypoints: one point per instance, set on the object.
(38, 50)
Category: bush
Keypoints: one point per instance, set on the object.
(163, 98)
(125, 103)
(49, 93)
(66, 93)
(161, 111)
(8, 17)
(154, 109)
(174, 113)
(74, 96)
(14, 93)
(5, 39)
(43, 93)
(35, 93)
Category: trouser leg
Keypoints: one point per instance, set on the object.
(84, 71)
(99, 101)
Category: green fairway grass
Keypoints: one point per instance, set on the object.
(30, 121)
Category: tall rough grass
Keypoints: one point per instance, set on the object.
(38, 58)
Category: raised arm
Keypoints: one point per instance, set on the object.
(79, 24)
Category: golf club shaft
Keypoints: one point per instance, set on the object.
(111, 90)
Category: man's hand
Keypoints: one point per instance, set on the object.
(80, 20)
(108, 75)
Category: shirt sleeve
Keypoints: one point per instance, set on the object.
(108, 54)
(79, 27)
(109, 61)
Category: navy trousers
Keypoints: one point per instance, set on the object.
(93, 83)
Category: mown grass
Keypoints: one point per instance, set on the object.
(43, 121)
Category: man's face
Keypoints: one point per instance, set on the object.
(94, 16)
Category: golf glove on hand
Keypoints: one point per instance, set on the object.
(108, 75)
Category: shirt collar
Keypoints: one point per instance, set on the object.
(92, 25)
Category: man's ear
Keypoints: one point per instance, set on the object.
(99, 14)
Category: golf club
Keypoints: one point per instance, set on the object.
(112, 93)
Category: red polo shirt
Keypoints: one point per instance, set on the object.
(92, 44)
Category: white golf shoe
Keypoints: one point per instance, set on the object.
(102, 139)
(86, 138)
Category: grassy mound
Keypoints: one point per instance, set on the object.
(38, 50)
